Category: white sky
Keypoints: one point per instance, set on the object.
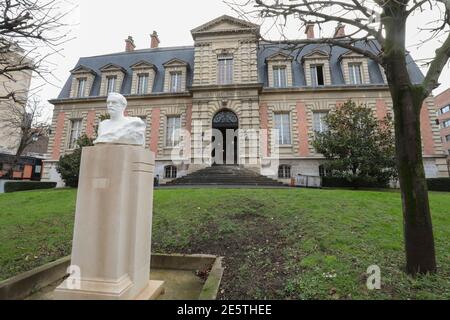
(100, 27)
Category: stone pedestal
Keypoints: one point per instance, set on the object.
(112, 234)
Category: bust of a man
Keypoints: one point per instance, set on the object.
(120, 129)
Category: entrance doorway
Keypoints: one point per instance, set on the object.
(225, 148)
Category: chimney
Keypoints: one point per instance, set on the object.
(310, 30)
(339, 31)
(129, 44)
(155, 40)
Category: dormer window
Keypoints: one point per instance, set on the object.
(81, 87)
(142, 83)
(355, 68)
(175, 81)
(279, 66)
(175, 75)
(225, 70)
(82, 80)
(317, 76)
(355, 73)
(111, 86)
(279, 76)
(143, 77)
(317, 68)
(112, 79)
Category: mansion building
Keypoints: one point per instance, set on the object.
(229, 79)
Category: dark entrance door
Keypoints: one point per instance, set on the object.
(226, 124)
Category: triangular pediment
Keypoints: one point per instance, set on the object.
(112, 67)
(279, 56)
(143, 65)
(82, 69)
(317, 54)
(175, 63)
(226, 23)
(350, 54)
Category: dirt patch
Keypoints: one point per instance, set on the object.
(254, 262)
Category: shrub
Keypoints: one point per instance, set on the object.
(14, 186)
(69, 164)
(439, 184)
(357, 182)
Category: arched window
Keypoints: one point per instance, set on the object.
(170, 172)
(284, 172)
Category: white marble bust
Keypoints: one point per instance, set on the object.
(120, 129)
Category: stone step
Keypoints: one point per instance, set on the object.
(225, 175)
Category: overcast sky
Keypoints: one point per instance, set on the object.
(100, 27)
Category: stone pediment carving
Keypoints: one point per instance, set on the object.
(143, 65)
(316, 54)
(82, 69)
(350, 54)
(225, 23)
(280, 56)
(175, 63)
(112, 67)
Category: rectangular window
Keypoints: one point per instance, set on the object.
(317, 78)
(354, 70)
(111, 84)
(75, 132)
(173, 131)
(445, 109)
(175, 81)
(282, 124)
(284, 172)
(447, 138)
(142, 83)
(319, 121)
(279, 77)
(446, 123)
(81, 87)
(225, 69)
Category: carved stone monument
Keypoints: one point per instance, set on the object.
(112, 235)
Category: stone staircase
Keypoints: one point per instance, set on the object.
(225, 175)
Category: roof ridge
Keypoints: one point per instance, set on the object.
(162, 49)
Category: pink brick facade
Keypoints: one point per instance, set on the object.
(56, 152)
(442, 100)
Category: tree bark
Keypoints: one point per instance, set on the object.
(407, 103)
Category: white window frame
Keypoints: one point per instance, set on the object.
(111, 84)
(355, 73)
(175, 81)
(173, 128)
(81, 87)
(315, 76)
(75, 132)
(446, 123)
(322, 125)
(279, 76)
(282, 119)
(225, 68)
(142, 85)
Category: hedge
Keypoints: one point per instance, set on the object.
(14, 186)
(439, 184)
(338, 182)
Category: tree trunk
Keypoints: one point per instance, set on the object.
(407, 103)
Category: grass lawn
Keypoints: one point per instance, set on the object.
(285, 244)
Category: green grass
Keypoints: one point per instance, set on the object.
(286, 243)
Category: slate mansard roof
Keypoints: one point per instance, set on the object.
(159, 56)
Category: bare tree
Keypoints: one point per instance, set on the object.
(28, 122)
(30, 32)
(380, 25)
